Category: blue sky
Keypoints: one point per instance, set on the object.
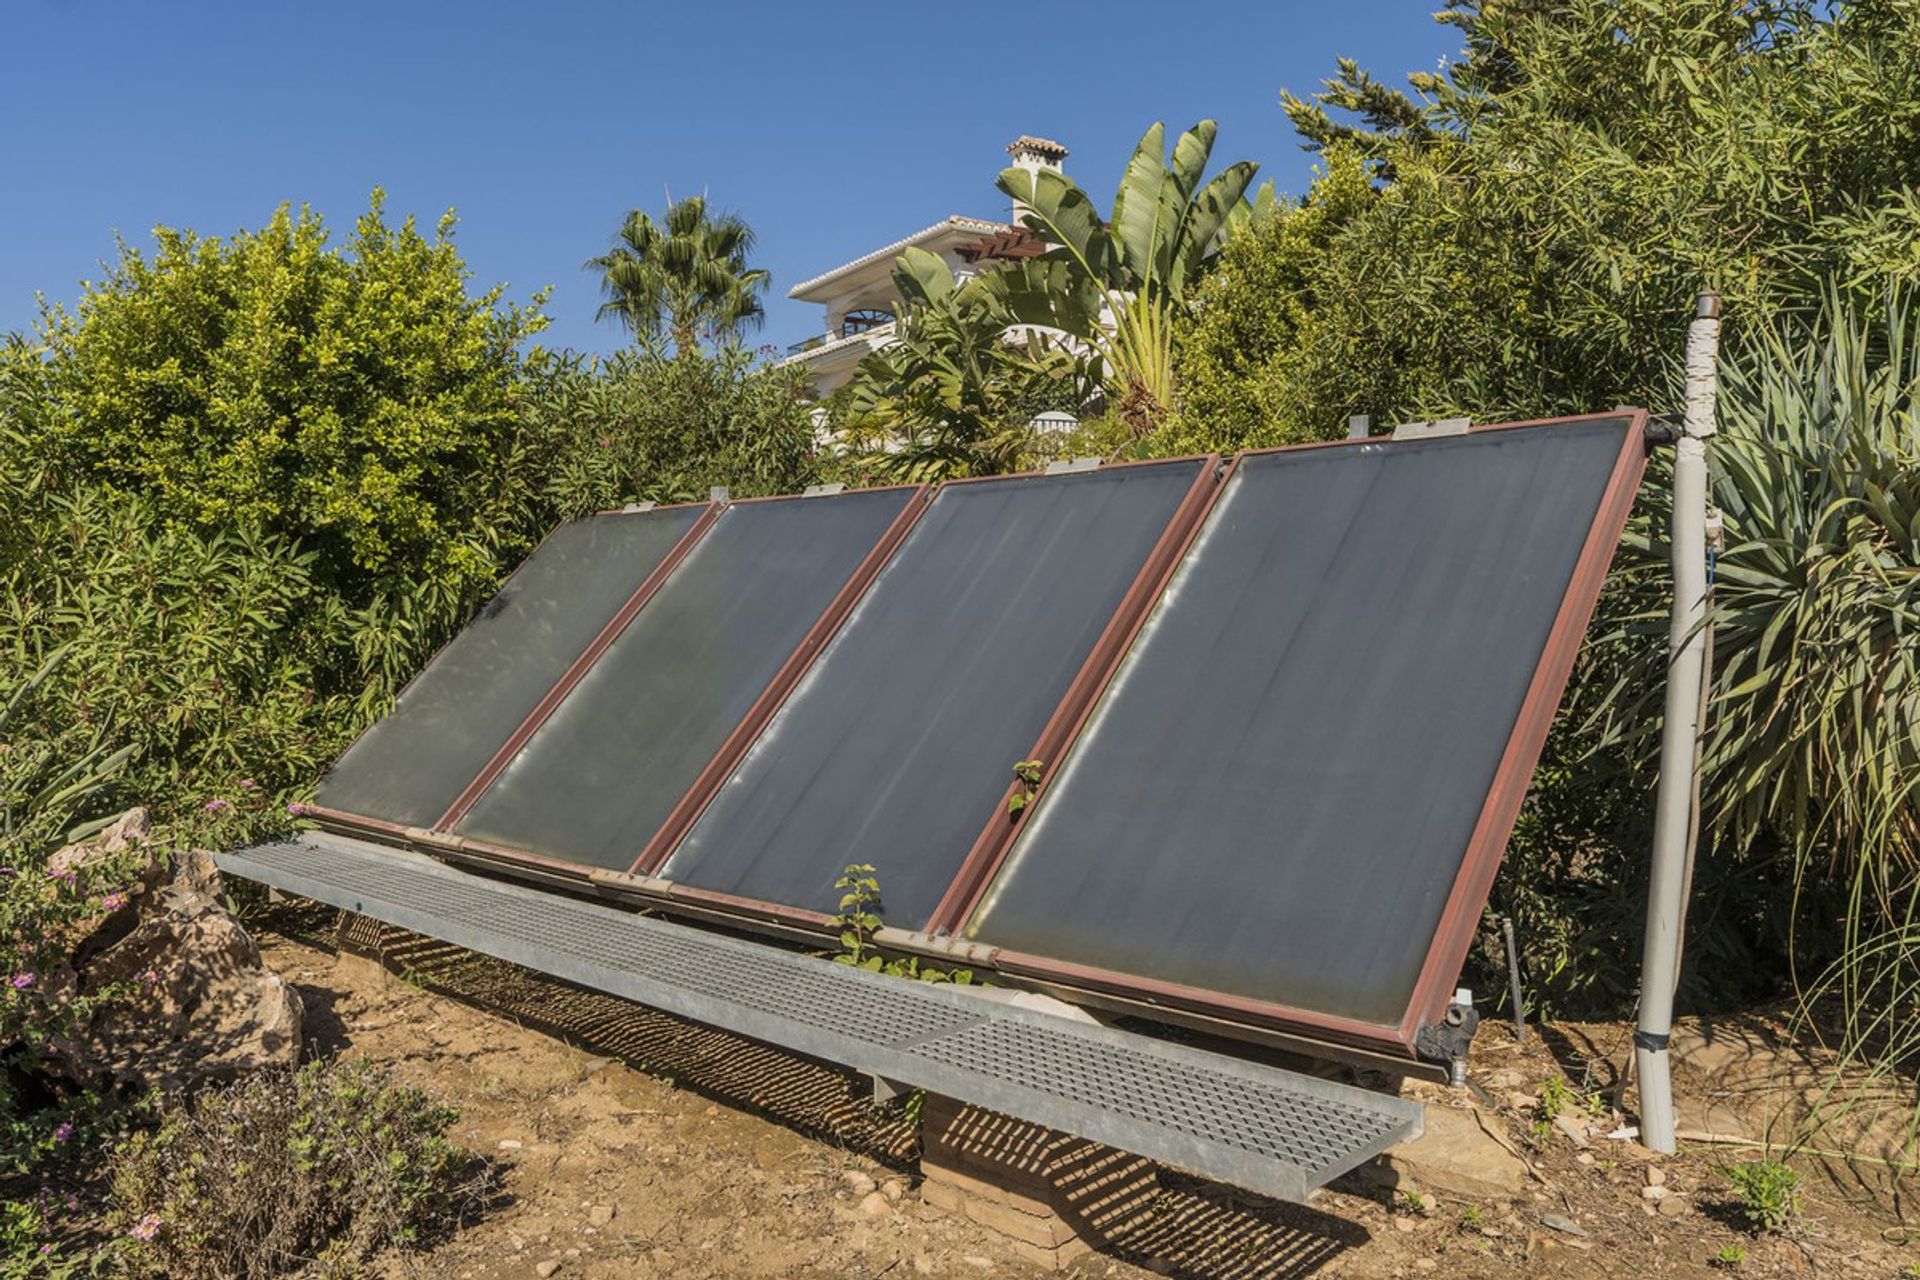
(833, 128)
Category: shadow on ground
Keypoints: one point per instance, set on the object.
(1194, 1228)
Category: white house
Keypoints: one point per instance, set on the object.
(860, 299)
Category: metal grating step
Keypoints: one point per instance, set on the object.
(1254, 1126)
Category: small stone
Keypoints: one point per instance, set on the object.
(1403, 1224)
(893, 1189)
(1521, 1101)
(1673, 1207)
(1656, 1176)
(976, 1261)
(1424, 1265)
(1585, 1157)
(1575, 1130)
(922, 1264)
(858, 1183)
(1654, 1193)
(1560, 1223)
(510, 1144)
(875, 1205)
(547, 1268)
(600, 1215)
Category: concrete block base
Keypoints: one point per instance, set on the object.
(1053, 1197)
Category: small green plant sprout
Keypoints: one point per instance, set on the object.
(859, 919)
(1730, 1257)
(859, 916)
(1027, 772)
(1473, 1219)
(1413, 1203)
(1767, 1193)
(1912, 1270)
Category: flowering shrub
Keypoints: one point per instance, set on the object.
(46, 783)
(324, 1167)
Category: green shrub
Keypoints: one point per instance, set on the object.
(324, 1166)
(1767, 1192)
(1536, 232)
(640, 426)
(49, 782)
(354, 396)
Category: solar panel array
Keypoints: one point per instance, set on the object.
(1287, 715)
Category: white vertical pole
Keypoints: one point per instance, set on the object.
(1673, 821)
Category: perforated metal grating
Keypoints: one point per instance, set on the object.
(1258, 1127)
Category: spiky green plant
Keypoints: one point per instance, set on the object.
(1812, 745)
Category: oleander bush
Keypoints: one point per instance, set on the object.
(313, 1170)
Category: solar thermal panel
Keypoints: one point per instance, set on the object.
(1331, 711)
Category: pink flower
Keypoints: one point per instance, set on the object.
(62, 1131)
(217, 805)
(147, 1228)
(295, 809)
(114, 901)
(149, 977)
(21, 981)
(246, 784)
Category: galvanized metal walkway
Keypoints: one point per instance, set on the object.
(1258, 1127)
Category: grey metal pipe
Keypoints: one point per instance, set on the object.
(1673, 822)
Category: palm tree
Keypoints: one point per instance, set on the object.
(687, 272)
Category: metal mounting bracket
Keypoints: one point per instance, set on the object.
(1432, 428)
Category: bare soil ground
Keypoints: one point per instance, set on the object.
(633, 1144)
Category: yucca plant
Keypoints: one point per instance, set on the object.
(1812, 742)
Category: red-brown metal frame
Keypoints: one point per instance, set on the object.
(1063, 726)
(1454, 934)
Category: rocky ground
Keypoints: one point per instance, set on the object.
(633, 1144)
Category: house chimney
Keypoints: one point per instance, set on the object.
(1035, 154)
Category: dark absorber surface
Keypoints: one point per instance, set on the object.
(465, 704)
(612, 761)
(1276, 793)
(895, 749)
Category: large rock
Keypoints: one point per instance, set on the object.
(202, 1008)
(1455, 1157)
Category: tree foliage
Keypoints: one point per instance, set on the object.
(640, 426)
(683, 274)
(956, 391)
(1547, 205)
(355, 397)
(1120, 284)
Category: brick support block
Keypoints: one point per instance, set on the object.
(1053, 1197)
